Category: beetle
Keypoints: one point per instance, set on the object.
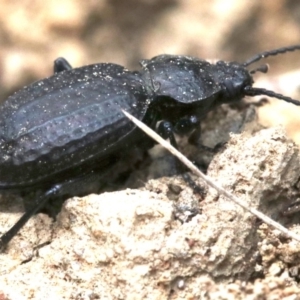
(67, 130)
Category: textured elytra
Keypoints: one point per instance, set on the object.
(67, 119)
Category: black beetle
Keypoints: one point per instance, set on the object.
(68, 128)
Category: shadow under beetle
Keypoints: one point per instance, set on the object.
(69, 127)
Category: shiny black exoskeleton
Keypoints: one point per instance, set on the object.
(65, 129)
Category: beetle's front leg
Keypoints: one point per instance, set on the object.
(182, 127)
(191, 124)
(166, 130)
(186, 125)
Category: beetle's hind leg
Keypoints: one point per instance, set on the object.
(79, 186)
(61, 64)
(39, 204)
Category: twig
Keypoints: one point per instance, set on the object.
(209, 180)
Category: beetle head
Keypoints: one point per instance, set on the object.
(233, 79)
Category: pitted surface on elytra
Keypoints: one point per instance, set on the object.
(76, 111)
(66, 93)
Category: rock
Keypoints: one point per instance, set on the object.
(129, 243)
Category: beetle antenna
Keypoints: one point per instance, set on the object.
(250, 91)
(265, 54)
(262, 69)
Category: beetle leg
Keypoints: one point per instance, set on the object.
(192, 124)
(186, 125)
(39, 203)
(79, 186)
(195, 139)
(166, 130)
(61, 64)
